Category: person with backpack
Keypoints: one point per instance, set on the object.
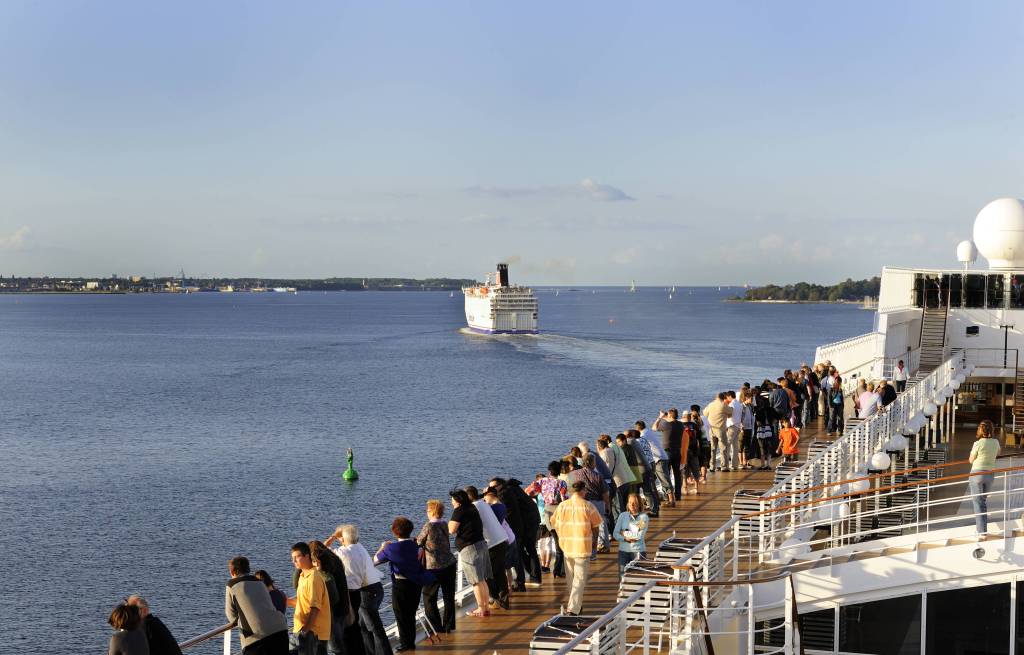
(671, 431)
(836, 402)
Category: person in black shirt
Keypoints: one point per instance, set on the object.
(671, 440)
(468, 529)
(161, 641)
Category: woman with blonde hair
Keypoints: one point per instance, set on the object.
(630, 530)
(983, 460)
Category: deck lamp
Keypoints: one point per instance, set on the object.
(897, 443)
(879, 463)
(956, 382)
(930, 408)
(859, 486)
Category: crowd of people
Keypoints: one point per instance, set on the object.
(506, 536)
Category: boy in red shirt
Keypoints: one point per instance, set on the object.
(789, 437)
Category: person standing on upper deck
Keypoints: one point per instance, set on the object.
(899, 377)
(577, 523)
(717, 414)
(983, 460)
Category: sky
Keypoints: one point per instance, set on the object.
(584, 142)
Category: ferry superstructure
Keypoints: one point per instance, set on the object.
(497, 307)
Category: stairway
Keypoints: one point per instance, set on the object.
(933, 340)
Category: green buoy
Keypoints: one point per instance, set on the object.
(350, 473)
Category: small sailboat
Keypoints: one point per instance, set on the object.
(451, 294)
(556, 293)
(670, 296)
(673, 289)
(632, 286)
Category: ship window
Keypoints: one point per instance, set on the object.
(1017, 291)
(933, 294)
(885, 627)
(956, 290)
(995, 292)
(974, 291)
(973, 620)
(918, 290)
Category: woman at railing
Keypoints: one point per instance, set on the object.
(630, 530)
(982, 459)
(129, 638)
(365, 580)
(407, 579)
(439, 560)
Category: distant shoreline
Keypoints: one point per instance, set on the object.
(792, 302)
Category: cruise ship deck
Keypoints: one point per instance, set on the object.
(510, 632)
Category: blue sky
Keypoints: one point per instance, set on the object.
(590, 143)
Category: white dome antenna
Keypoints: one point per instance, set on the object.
(966, 253)
(999, 233)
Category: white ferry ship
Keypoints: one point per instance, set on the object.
(496, 307)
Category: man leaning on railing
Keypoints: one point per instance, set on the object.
(247, 600)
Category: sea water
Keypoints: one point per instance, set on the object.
(147, 439)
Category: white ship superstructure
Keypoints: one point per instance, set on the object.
(497, 307)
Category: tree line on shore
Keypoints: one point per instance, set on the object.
(847, 290)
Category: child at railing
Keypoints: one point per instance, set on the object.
(545, 548)
(789, 437)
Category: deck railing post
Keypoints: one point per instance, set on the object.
(227, 642)
(788, 621)
(647, 623)
(751, 619)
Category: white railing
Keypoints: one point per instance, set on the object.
(786, 513)
(854, 357)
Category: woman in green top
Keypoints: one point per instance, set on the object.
(983, 458)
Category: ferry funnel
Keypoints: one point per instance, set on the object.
(502, 275)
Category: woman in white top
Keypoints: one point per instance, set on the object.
(982, 459)
(363, 580)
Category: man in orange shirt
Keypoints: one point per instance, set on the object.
(312, 606)
(789, 437)
(576, 522)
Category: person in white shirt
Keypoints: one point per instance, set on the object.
(364, 579)
(733, 427)
(899, 376)
(497, 549)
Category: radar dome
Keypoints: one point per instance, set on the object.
(966, 252)
(999, 233)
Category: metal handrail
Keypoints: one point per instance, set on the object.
(206, 636)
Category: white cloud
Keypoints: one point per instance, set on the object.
(603, 192)
(771, 242)
(587, 188)
(627, 256)
(15, 241)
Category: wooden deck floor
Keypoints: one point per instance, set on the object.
(509, 632)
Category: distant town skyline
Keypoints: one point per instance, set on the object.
(584, 143)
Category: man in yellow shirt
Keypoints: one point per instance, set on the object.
(312, 621)
(576, 522)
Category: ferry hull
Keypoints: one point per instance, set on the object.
(490, 331)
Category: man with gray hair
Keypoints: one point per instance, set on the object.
(161, 641)
(264, 630)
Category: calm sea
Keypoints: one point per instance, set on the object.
(148, 439)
